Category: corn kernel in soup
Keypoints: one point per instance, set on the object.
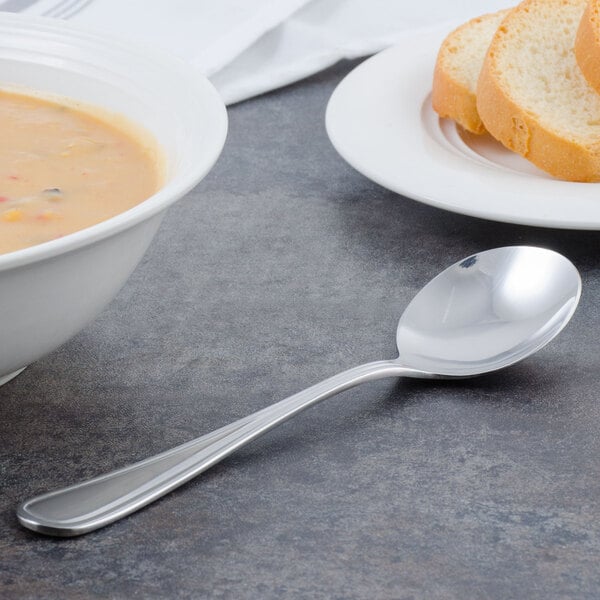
(63, 169)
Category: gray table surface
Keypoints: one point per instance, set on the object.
(283, 267)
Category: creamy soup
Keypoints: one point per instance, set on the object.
(63, 169)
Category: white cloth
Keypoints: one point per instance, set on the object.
(248, 47)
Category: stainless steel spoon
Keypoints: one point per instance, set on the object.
(484, 313)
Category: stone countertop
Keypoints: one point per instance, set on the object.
(283, 267)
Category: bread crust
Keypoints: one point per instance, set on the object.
(520, 130)
(450, 98)
(587, 44)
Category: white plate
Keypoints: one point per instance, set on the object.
(380, 120)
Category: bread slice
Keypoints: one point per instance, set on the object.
(457, 68)
(587, 44)
(532, 96)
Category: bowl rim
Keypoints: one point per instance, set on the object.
(168, 193)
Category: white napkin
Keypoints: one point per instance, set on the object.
(326, 31)
(248, 47)
(207, 33)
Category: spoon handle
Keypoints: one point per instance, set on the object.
(92, 504)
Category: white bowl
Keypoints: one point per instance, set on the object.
(51, 291)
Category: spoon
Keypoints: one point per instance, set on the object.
(484, 313)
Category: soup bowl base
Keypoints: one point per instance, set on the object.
(6, 378)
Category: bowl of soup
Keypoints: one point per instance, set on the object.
(98, 138)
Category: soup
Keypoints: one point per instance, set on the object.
(63, 169)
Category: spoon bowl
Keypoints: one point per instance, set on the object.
(486, 312)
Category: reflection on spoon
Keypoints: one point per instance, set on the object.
(484, 313)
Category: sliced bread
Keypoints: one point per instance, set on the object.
(457, 69)
(532, 96)
(587, 44)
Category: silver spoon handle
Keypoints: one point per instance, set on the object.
(92, 504)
